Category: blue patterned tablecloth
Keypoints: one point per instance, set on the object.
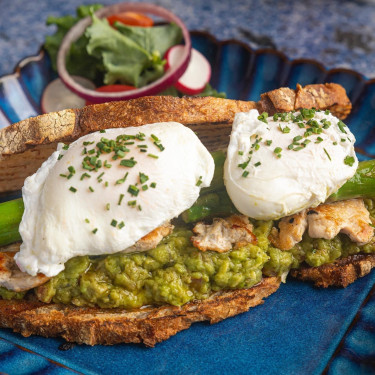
(337, 33)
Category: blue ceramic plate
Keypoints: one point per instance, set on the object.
(299, 329)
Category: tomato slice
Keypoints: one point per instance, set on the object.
(112, 88)
(132, 19)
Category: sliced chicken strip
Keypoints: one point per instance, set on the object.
(152, 239)
(350, 217)
(223, 234)
(325, 221)
(13, 279)
(291, 230)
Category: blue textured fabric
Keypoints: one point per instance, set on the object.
(299, 328)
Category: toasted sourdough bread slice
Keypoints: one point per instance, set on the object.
(149, 325)
(340, 273)
(25, 145)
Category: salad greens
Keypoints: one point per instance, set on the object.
(130, 55)
(78, 61)
(126, 54)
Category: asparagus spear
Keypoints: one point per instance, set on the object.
(10, 218)
(361, 185)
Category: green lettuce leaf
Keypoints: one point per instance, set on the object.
(78, 61)
(125, 60)
(157, 38)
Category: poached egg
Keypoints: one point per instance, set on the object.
(277, 166)
(106, 190)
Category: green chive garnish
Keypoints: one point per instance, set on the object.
(120, 199)
(128, 163)
(349, 160)
(72, 189)
(133, 190)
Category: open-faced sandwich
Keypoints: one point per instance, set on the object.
(159, 212)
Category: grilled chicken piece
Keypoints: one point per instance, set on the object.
(325, 221)
(223, 234)
(291, 230)
(350, 217)
(152, 239)
(12, 278)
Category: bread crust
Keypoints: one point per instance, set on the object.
(26, 144)
(340, 273)
(149, 325)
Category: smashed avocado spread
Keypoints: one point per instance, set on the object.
(175, 272)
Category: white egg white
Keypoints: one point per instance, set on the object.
(266, 184)
(67, 217)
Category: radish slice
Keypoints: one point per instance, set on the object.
(159, 85)
(196, 76)
(57, 96)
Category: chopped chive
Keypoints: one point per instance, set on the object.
(60, 157)
(114, 223)
(91, 189)
(257, 164)
(199, 182)
(319, 139)
(334, 143)
(154, 137)
(269, 142)
(106, 184)
(65, 147)
(349, 160)
(128, 163)
(144, 187)
(277, 150)
(341, 125)
(108, 206)
(153, 156)
(102, 131)
(122, 180)
(120, 199)
(87, 221)
(297, 138)
(245, 173)
(101, 175)
(244, 164)
(240, 153)
(85, 175)
(143, 178)
(299, 148)
(327, 154)
(73, 189)
(132, 203)
(95, 230)
(133, 190)
(107, 165)
(153, 185)
(88, 143)
(63, 175)
(121, 225)
(263, 117)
